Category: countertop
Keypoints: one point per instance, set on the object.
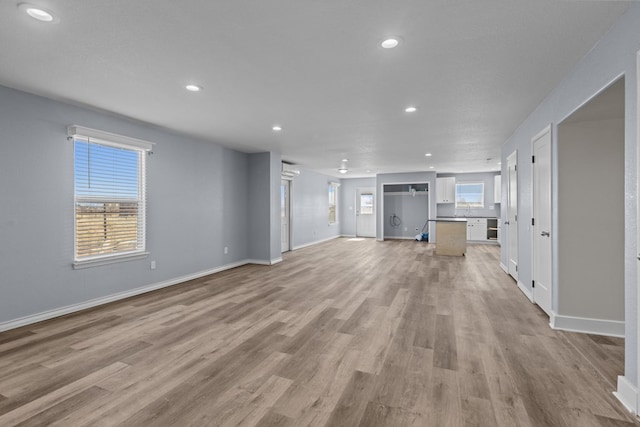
(445, 219)
(463, 217)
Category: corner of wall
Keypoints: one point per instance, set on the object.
(627, 394)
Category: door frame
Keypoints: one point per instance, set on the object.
(289, 211)
(547, 129)
(626, 316)
(380, 221)
(510, 229)
(375, 203)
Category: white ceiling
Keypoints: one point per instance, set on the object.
(474, 68)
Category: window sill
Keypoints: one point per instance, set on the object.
(97, 262)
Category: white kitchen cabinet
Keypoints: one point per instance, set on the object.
(497, 189)
(446, 190)
(477, 229)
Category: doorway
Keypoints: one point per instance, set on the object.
(541, 223)
(511, 223)
(590, 234)
(285, 215)
(365, 212)
(405, 210)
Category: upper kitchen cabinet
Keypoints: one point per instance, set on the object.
(446, 190)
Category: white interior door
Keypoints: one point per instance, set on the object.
(365, 212)
(285, 214)
(511, 224)
(541, 149)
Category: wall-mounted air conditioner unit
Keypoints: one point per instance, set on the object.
(289, 170)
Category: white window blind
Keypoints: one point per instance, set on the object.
(333, 202)
(110, 202)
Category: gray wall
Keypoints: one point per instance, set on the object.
(310, 209)
(259, 193)
(197, 204)
(449, 209)
(591, 219)
(412, 177)
(612, 56)
(264, 207)
(347, 209)
(275, 176)
(412, 211)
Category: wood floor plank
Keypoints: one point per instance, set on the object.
(445, 353)
(393, 336)
(353, 400)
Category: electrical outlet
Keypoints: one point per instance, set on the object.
(226, 250)
(153, 264)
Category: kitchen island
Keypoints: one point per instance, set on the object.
(451, 236)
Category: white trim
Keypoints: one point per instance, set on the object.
(512, 227)
(351, 236)
(399, 238)
(314, 242)
(525, 290)
(108, 138)
(635, 352)
(380, 186)
(50, 314)
(613, 328)
(113, 259)
(547, 130)
(586, 101)
(264, 262)
(504, 268)
(627, 393)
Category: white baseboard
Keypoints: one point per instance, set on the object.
(612, 328)
(264, 261)
(527, 292)
(399, 238)
(50, 314)
(627, 393)
(304, 245)
(348, 235)
(504, 268)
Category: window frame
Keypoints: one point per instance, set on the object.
(459, 205)
(141, 148)
(333, 204)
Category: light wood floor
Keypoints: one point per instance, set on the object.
(344, 333)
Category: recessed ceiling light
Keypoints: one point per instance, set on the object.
(410, 109)
(277, 128)
(499, 163)
(345, 160)
(428, 155)
(430, 167)
(343, 170)
(368, 171)
(390, 42)
(38, 13)
(193, 88)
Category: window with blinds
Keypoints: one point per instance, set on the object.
(333, 202)
(110, 201)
